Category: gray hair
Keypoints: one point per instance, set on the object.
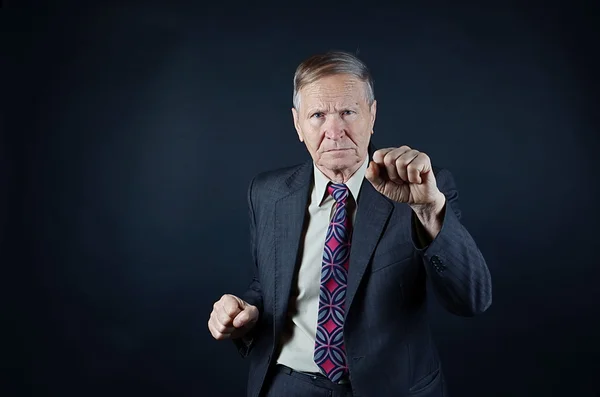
(328, 64)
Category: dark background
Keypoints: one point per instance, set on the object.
(130, 134)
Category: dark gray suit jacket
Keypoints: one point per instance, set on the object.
(388, 342)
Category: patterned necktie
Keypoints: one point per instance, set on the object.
(330, 354)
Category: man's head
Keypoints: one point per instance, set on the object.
(334, 111)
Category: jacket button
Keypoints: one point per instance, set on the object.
(437, 263)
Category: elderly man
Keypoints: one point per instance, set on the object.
(342, 246)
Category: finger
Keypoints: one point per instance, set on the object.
(390, 161)
(218, 335)
(403, 162)
(246, 316)
(427, 176)
(389, 166)
(224, 328)
(222, 314)
(232, 305)
(212, 331)
(379, 154)
(419, 165)
(374, 176)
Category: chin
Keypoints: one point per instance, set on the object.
(339, 164)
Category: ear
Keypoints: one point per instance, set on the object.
(373, 114)
(297, 124)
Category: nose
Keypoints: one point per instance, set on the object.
(335, 127)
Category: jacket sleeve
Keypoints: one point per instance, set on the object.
(458, 272)
(253, 294)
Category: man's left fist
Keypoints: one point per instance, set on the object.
(404, 175)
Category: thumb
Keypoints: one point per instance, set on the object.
(374, 176)
(247, 316)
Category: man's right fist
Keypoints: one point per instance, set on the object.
(231, 317)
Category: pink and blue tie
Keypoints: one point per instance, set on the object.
(330, 354)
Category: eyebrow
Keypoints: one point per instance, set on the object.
(322, 110)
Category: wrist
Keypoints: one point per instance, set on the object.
(430, 210)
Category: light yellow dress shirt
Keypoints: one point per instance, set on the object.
(298, 341)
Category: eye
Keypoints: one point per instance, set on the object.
(317, 115)
(347, 112)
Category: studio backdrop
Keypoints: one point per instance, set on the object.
(132, 132)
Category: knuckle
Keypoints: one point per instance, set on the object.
(224, 319)
(383, 153)
(389, 160)
(227, 300)
(229, 311)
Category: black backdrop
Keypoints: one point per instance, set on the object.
(130, 134)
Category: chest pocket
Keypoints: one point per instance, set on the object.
(394, 255)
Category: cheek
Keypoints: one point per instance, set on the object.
(313, 128)
(313, 133)
(360, 130)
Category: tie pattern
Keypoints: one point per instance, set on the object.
(330, 354)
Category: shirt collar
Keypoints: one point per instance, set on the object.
(354, 183)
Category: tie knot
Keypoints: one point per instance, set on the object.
(339, 191)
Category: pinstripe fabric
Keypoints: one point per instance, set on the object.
(389, 346)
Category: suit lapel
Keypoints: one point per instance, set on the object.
(371, 217)
(290, 211)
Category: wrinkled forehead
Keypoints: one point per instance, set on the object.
(337, 89)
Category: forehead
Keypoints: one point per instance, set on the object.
(339, 88)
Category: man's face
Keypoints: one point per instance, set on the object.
(335, 121)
